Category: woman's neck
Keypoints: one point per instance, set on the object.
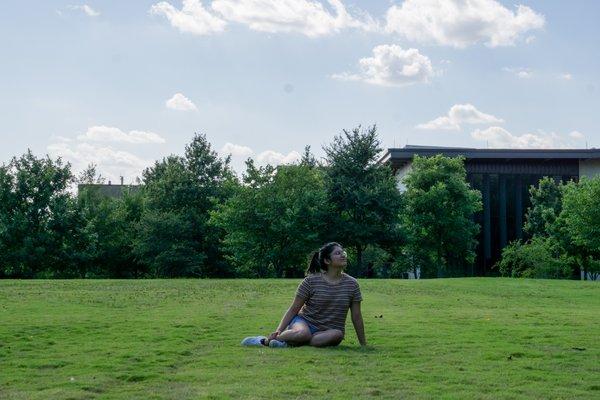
(334, 273)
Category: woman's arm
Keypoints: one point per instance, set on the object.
(357, 321)
(287, 317)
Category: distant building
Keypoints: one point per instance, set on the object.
(503, 176)
(109, 190)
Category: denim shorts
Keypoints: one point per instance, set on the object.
(313, 329)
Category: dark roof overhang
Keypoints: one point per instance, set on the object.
(399, 157)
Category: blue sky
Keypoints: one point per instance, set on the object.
(122, 84)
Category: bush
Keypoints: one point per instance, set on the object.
(538, 258)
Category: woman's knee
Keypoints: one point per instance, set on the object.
(300, 335)
(303, 336)
(331, 337)
(336, 336)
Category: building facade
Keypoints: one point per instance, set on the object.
(503, 176)
(109, 190)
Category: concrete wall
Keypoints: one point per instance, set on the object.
(400, 174)
(589, 168)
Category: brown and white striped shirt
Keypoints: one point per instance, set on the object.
(326, 304)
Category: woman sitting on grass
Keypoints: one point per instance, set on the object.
(318, 313)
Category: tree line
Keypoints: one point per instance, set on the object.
(194, 217)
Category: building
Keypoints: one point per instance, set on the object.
(503, 176)
(109, 190)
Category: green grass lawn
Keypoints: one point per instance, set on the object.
(179, 339)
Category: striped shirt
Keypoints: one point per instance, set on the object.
(326, 304)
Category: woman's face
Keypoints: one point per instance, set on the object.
(338, 257)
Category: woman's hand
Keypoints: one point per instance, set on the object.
(273, 335)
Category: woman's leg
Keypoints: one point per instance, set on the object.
(297, 333)
(330, 337)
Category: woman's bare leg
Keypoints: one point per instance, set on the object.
(330, 337)
(298, 333)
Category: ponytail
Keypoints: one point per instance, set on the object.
(317, 262)
(315, 265)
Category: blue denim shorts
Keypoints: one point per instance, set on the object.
(313, 329)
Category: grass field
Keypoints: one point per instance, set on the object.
(179, 339)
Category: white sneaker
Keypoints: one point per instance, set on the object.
(253, 341)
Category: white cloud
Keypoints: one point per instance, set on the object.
(461, 23)
(576, 135)
(440, 123)
(566, 76)
(89, 11)
(523, 73)
(498, 137)
(460, 114)
(192, 18)
(111, 163)
(112, 134)
(236, 150)
(180, 102)
(239, 155)
(392, 66)
(307, 17)
(530, 39)
(275, 158)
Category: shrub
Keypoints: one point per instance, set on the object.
(538, 258)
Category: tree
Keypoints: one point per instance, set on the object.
(274, 220)
(111, 225)
(363, 193)
(546, 205)
(549, 223)
(90, 176)
(40, 230)
(164, 243)
(438, 216)
(187, 189)
(580, 220)
(308, 159)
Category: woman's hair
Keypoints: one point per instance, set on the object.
(317, 262)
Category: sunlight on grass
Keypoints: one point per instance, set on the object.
(152, 339)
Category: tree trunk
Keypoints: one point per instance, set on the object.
(576, 275)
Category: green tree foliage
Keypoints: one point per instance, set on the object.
(165, 242)
(546, 205)
(580, 222)
(581, 205)
(541, 257)
(40, 229)
(308, 158)
(274, 219)
(90, 176)
(363, 194)
(378, 263)
(438, 216)
(544, 255)
(185, 189)
(111, 225)
(563, 222)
